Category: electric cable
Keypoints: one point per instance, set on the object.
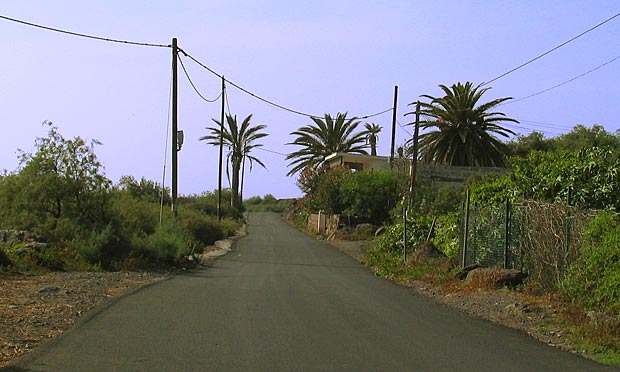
(194, 86)
(85, 35)
(271, 151)
(264, 99)
(550, 50)
(559, 85)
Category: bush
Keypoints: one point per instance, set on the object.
(203, 229)
(594, 279)
(370, 195)
(169, 241)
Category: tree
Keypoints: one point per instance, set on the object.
(581, 137)
(58, 189)
(325, 137)
(464, 128)
(372, 136)
(240, 141)
(523, 145)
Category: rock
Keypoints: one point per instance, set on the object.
(380, 231)
(4, 259)
(49, 290)
(366, 229)
(604, 323)
(464, 271)
(495, 278)
(427, 250)
(16, 236)
(35, 246)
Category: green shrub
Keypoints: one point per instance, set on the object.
(447, 233)
(57, 257)
(594, 279)
(370, 195)
(170, 241)
(203, 229)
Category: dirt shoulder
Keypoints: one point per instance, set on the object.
(535, 315)
(36, 308)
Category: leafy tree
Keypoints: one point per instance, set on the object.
(372, 136)
(582, 137)
(523, 145)
(592, 173)
(371, 195)
(465, 129)
(144, 189)
(325, 137)
(57, 188)
(240, 141)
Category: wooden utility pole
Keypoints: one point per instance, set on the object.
(175, 53)
(219, 177)
(393, 126)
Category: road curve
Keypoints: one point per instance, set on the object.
(282, 301)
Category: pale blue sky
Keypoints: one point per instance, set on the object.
(314, 56)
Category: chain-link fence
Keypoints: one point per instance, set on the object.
(540, 238)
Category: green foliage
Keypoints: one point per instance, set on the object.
(206, 203)
(328, 195)
(266, 204)
(240, 140)
(594, 280)
(465, 129)
(60, 257)
(145, 190)
(580, 137)
(60, 193)
(418, 227)
(62, 181)
(592, 173)
(324, 137)
(370, 195)
(447, 233)
(169, 241)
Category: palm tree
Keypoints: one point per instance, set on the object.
(464, 132)
(372, 136)
(325, 137)
(240, 142)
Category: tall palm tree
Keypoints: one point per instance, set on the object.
(325, 137)
(240, 141)
(464, 134)
(372, 136)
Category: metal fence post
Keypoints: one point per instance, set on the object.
(404, 234)
(507, 233)
(569, 200)
(465, 230)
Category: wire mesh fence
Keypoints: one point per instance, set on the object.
(540, 238)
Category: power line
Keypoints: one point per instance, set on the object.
(85, 35)
(403, 128)
(271, 151)
(548, 125)
(550, 50)
(194, 86)
(297, 112)
(563, 83)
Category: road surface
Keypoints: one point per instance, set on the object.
(282, 301)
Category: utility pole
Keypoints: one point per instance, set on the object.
(175, 52)
(219, 177)
(393, 126)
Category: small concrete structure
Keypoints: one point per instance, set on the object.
(440, 175)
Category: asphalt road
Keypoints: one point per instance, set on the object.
(282, 301)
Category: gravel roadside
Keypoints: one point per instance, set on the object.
(36, 308)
